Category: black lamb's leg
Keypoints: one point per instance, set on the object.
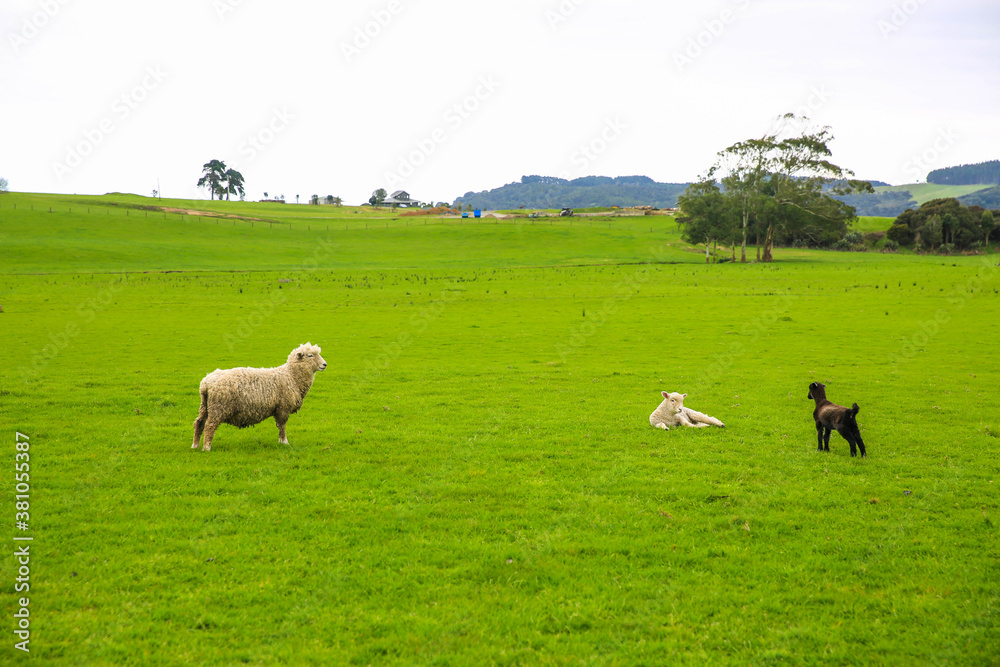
(819, 435)
(861, 443)
(849, 437)
(826, 438)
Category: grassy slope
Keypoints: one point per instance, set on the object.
(924, 192)
(474, 479)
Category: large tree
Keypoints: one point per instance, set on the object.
(783, 178)
(234, 183)
(213, 175)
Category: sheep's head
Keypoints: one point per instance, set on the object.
(308, 356)
(674, 401)
(817, 390)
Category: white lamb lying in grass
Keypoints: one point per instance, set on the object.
(671, 412)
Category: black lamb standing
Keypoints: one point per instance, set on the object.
(831, 416)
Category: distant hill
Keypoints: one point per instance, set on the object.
(988, 198)
(889, 203)
(982, 173)
(553, 192)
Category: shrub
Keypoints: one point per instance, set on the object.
(851, 241)
(901, 233)
(890, 246)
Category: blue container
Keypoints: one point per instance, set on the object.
(465, 214)
(477, 213)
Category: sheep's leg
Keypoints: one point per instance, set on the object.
(281, 420)
(696, 416)
(199, 423)
(686, 421)
(210, 427)
(662, 425)
(819, 435)
(827, 432)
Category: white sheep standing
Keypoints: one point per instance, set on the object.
(246, 396)
(671, 412)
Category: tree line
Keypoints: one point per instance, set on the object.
(981, 173)
(944, 225)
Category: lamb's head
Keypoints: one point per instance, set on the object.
(674, 401)
(307, 356)
(817, 391)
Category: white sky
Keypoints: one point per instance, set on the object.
(442, 97)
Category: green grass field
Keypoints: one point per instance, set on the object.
(474, 480)
(925, 192)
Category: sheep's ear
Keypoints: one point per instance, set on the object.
(684, 395)
(665, 394)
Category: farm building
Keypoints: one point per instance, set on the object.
(400, 198)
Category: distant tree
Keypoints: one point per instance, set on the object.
(988, 224)
(378, 197)
(3, 185)
(337, 201)
(296, 199)
(314, 200)
(265, 194)
(213, 175)
(233, 184)
(708, 216)
(156, 193)
(931, 233)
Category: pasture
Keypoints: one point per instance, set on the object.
(473, 480)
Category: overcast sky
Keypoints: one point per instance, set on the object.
(440, 97)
